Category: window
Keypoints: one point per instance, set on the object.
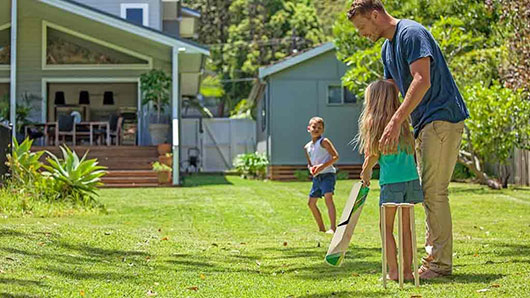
(338, 95)
(137, 13)
(263, 114)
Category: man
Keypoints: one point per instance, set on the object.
(413, 61)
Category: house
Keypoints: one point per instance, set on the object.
(294, 90)
(87, 56)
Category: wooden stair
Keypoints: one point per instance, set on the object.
(286, 172)
(127, 166)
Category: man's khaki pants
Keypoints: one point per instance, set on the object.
(437, 148)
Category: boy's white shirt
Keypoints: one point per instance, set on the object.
(322, 155)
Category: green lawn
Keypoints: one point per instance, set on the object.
(228, 237)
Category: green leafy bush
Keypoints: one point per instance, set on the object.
(252, 165)
(342, 175)
(73, 178)
(302, 175)
(160, 167)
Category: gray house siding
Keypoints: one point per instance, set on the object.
(29, 69)
(298, 93)
(5, 12)
(114, 7)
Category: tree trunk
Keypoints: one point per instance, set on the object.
(473, 164)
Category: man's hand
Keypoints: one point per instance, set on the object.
(366, 175)
(390, 138)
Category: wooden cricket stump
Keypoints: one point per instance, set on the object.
(412, 228)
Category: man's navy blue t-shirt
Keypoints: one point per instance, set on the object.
(442, 101)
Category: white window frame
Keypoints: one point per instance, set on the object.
(5, 66)
(341, 97)
(143, 6)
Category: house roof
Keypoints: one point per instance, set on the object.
(293, 60)
(115, 21)
(191, 12)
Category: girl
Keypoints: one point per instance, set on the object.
(398, 176)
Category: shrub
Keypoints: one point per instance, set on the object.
(251, 165)
(73, 178)
(160, 167)
(302, 175)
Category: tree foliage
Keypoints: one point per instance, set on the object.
(244, 35)
(476, 41)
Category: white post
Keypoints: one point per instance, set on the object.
(175, 115)
(13, 81)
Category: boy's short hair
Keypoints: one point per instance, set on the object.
(317, 120)
(364, 6)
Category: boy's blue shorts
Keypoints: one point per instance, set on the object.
(322, 184)
(401, 192)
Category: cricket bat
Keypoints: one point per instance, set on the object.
(348, 221)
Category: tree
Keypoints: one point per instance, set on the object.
(256, 33)
(516, 18)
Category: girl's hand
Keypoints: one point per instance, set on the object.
(366, 175)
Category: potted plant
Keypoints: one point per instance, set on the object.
(155, 86)
(163, 172)
(166, 159)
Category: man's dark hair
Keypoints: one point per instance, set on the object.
(364, 6)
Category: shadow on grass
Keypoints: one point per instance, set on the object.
(20, 282)
(9, 295)
(465, 278)
(192, 180)
(100, 252)
(299, 262)
(346, 294)
(79, 274)
(13, 233)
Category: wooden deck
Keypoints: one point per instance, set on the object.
(127, 166)
(286, 172)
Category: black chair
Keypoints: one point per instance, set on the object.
(65, 127)
(115, 123)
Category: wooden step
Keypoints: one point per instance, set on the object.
(128, 180)
(131, 173)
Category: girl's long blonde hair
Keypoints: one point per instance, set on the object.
(380, 103)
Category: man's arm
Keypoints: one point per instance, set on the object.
(421, 82)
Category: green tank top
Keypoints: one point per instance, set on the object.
(399, 167)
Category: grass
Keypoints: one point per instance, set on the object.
(228, 237)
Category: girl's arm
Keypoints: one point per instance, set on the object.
(326, 144)
(366, 173)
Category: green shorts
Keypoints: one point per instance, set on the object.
(401, 192)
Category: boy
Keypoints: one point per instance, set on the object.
(321, 155)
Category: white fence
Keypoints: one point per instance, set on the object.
(218, 140)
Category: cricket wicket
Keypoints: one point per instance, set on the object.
(400, 242)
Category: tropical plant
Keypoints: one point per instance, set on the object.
(24, 164)
(155, 86)
(160, 167)
(251, 165)
(74, 178)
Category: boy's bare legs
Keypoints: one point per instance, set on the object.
(407, 245)
(391, 257)
(312, 203)
(331, 210)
